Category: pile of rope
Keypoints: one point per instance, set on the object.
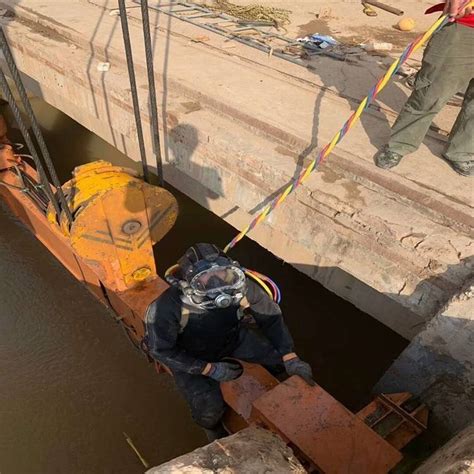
(278, 16)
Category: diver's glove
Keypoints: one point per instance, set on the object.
(225, 371)
(296, 366)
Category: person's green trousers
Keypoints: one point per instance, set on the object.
(447, 68)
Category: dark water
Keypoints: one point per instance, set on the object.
(70, 381)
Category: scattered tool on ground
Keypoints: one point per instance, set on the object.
(249, 32)
(385, 7)
(368, 10)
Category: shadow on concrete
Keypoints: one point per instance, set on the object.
(392, 97)
(337, 76)
(94, 61)
(438, 289)
(166, 60)
(437, 364)
(437, 367)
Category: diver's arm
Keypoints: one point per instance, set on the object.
(268, 316)
(163, 328)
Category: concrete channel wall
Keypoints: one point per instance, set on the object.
(250, 451)
(438, 366)
(238, 127)
(456, 457)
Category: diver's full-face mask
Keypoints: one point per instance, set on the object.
(208, 278)
(219, 284)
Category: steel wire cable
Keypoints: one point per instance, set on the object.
(29, 143)
(34, 126)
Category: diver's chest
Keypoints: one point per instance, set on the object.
(216, 321)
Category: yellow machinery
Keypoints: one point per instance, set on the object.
(117, 218)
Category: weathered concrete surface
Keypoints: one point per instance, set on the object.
(251, 451)
(346, 21)
(438, 365)
(238, 127)
(455, 457)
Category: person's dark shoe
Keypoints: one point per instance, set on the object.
(387, 159)
(464, 168)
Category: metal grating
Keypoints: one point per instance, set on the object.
(256, 34)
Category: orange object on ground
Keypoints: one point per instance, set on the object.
(406, 24)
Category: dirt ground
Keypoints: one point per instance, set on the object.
(346, 21)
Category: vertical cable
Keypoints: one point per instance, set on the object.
(152, 90)
(34, 123)
(133, 86)
(26, 135)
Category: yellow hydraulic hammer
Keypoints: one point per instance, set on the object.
(117, 218)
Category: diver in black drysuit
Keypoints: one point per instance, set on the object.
(198, 322)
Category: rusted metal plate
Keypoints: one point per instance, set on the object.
(53, 240)
(7, 157)
(234, 423)
(240, 394)
(397, 417)
(131, 305)
(323, 430)
(140, 297)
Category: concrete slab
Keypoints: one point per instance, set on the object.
(239, 125)
(251, 451)
(438, 366)
(455, 457)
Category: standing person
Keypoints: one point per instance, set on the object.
(195, 326)
(447, 67)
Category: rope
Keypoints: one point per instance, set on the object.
(326, 151)
(252, 13)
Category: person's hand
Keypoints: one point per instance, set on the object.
(454, 9)
(223, 371)
(296, 366)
